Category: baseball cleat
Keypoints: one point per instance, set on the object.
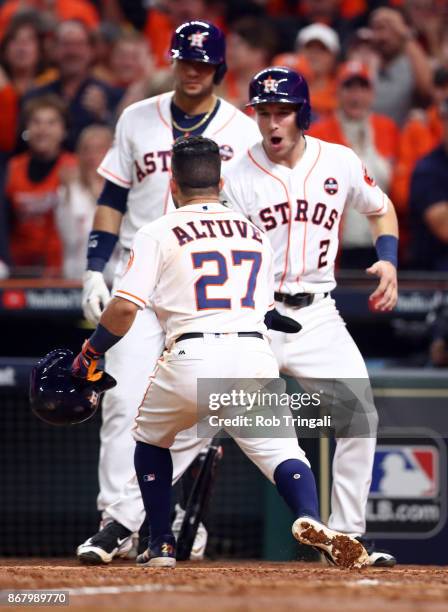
(377, 558)
(200, 541)
(340, 549)
(114, 540)
(161, 553)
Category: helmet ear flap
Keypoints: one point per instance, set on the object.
(220, 72)
(303, 117)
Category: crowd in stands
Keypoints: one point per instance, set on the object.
(378, 76)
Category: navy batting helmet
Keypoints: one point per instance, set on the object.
(200, 41)
(278, 84)
(59, 398)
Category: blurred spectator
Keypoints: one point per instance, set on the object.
(167, 15)
(54, 10)
(428, 20)
(78, 196)
(429, 205)
(251, 44)
(404, 67)
(129, 61)
(21, 61)
(316, 58)
(360, 48)
(89, 100)
(374, 138)
(420, 135)
(33, 179)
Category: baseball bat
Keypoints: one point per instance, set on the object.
(198, 501)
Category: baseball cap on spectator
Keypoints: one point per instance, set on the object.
(354, 70)
(320, 32)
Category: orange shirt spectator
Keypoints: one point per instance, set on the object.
(32, 182)
(35, 242)
(384, 130)
(21, 64)
(82, 10)
(421, 134)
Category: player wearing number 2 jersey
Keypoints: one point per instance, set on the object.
(295, 188)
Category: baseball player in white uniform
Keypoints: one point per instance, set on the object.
(295, 188)
(136, 191)
(207, 273)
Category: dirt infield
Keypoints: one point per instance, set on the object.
(233, 586)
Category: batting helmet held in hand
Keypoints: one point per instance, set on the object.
(59, 398)
(282, 85)
(200, 41)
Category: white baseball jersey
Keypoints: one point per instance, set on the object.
(202, 268)
(139, 158)
(300, 208)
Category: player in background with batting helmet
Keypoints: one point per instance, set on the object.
(295, 188)
(136, 171)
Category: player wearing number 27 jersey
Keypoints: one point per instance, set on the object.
(209, 240)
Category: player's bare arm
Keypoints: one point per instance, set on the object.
(384, 230)
(107, 219)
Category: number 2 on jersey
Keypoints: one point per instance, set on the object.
(238, 257)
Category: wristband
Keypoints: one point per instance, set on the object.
(114, 196)
(387, 248)
(100, 247)
(102, 340)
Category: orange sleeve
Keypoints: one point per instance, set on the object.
(9, 103)
(328, 130)
(415, 141)
(386, 135)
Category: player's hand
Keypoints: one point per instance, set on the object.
(85, 364)
(278, 322)
(95, 296)
(385, 296)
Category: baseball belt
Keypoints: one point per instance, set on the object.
(190, 335)
(298, 300)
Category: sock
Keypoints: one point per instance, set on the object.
(154, 469)
(296, 484)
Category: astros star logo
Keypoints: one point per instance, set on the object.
(270, 84)
(197, 39)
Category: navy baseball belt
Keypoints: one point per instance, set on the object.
(190, 335)
(298, 300)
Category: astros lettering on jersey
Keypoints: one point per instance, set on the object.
(136, 161)
(300, 208)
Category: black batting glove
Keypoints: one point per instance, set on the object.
(278, 322)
